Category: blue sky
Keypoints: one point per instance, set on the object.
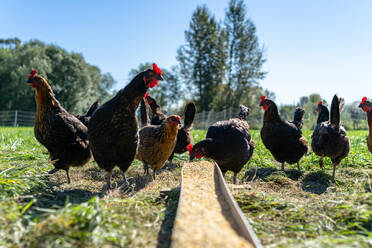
(322, 46)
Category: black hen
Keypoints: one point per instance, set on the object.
(323, 113)
(282, 138)
(329, 138)
(158, 117)
(85, 118)
(227, 142)
(184, 137)
(113, 129)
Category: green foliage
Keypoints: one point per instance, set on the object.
(75, 83)
(222, 64)
(245, 56)
(203, 58)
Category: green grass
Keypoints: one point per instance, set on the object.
(285, 209)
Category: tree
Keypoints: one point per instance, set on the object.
(75, 83)
(203, 58)
(245, 56)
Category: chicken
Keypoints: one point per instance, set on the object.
(158, 117)
(244, 112)
(367, 107)
(113, 129)
(65, 137)
(329, 138)
(228, 143)
(156, 142)
(85, 118)
(282, 138)
(184, 137)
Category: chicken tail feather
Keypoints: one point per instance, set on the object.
(144, 114)
(335, 111)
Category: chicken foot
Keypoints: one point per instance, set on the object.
(321, 163)
(234, 180)
(146, 170)
(108, 180)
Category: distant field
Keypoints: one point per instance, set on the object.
(285, 209)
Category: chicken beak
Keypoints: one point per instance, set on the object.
(159, 77)
(29, 81)
(179, 122)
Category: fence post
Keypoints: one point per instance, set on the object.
(15, 118)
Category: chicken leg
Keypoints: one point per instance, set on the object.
(68, 177)
(125, 181)
(282, 166)
(334, 171)
(145, 169)
(299, 168)
(321, 163)
(234, 180)
(108, 180)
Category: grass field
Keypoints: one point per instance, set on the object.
(285, 209)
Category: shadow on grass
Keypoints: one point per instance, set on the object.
(316, 182)
(265, 174)
(165, 232)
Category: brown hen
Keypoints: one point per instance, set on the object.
(156, 142)
(65, 137)
(367, 107)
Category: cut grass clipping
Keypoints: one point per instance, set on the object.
(286, 209)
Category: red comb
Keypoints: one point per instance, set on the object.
(320, 103)
(156, 69)
(178, 117)
(364, 99)
(262, 98)
(146, 95)
(189, 148)
(32, 74)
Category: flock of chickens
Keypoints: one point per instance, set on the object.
(109, 133)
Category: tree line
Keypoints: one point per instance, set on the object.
(75, 83)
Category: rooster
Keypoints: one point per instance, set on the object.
(65, 137)
(228, 143)
(113, 129)
(85, 118)
(156, 142)
(184, 137)
(367, 107)
(282, 138)
(329, 138)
